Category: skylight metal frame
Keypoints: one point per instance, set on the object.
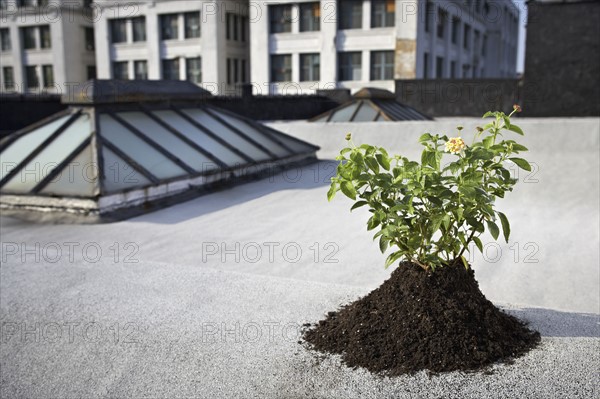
(41, 147)
(98, 142)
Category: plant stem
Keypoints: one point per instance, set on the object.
(470, 238)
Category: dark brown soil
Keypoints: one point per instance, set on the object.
(419, 320)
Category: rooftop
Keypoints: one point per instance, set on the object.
(207, 298)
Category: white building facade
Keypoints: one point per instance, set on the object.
(46, 45)
(206, 42)
(299, 46)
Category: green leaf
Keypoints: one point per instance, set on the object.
(521, 163)
(516, 129)
(383, 161)
(519, 147)
(372, 164)
(331, 192)
(505, 225)
(393, 258)
(494, 230)
(446, 221)
(478, 243)
(488, 114)
(358, 205)
(357, 157)
(383, 244)
(487, 142)
(348, 189)
(464, 261)
(424, 138)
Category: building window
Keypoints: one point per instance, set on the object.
(310, 17)
(193, 68)
(3, 4)
(229, 79)
(310, 67)
(350, 14)
(33, 81)
(118, 30)
(281, 68)
(229, 25)
(120, 70)
(236, 70)
(169, 26)
(171, 69)
(244, 28)
(382, 65)
(28, 33)
(45, 39)
(441, 23)
(192, 25)
(90, 45)
(280, 17)
(428, 11)
(466, 69)
(48, 75)
(425, 65)
(5, 39)
(9, 78)
(484, 45)
(439, 67)
(350, 66)
(91, 72)
(453, 69)
(236, 27)
(140, 70)
(138, 25)
(244, 77)
(467, 37)
(383, 13)
(455, 29)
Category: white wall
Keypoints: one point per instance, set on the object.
(212, 45)
(67, 55)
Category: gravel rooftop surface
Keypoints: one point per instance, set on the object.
(196, 304)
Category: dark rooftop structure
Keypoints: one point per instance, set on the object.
(371, 105)
(106, 160)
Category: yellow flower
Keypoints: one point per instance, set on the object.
(455, 145)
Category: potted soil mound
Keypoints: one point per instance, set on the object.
(430, 314)
(416, 321)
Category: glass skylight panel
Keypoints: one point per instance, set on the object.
(79, 178)
(344, 114)
(231, 137)
(200, 138)
(140, 152)
(15, 153)
(45, 162)
(253, 133)
(168, 140)
(366, 113)
(119, 175)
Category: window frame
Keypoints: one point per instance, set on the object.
(380, 19)
(286, 67)
(285, 21)
(380, 67)
(189, 33)
(346, 16)
(176, 61)
(351, 67)
(173, 27)
(312, 72)
(312, 23)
